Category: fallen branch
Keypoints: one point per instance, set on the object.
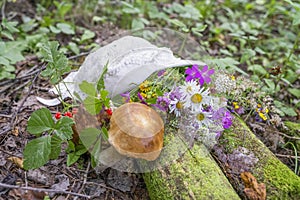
(44, 190)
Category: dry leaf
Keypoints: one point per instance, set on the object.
(253, 190)
(15, 132)
(17, 161)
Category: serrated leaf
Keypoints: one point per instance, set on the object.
(55, 147)
(88, 88)
(40, 121)
(49, 51)
(93, 105)
(103, 94)
(36, 152)
(295, 92)
(63, 128)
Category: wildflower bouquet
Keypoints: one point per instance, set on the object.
(187, 99)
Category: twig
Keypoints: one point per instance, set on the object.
(79, 55)
(280, 133)
(19, 87)
(102, 185)
(84, 179)
(5, 116)
(43, 190)
(286, 156)
(13, 119)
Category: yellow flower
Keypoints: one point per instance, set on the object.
(145, 86)
(235, 105)
(232, 77)
(262, 115)
(144, 95)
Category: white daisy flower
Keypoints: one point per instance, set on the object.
(203, 118)
(176, 106)
(189, 88)
(196, 99)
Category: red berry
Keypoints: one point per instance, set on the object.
(68, 114)
(109, 111)
(57, 115)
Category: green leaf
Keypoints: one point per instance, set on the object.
(224, 63)
(63, 128)
(74, 48)
(103, 94)
(40, 121)
(100, 83)
(72, 158)
(87, 34)
(71, 147)
(80, 150)
(257, 69)
(55, 147)
(65, 28)
(49, 51)
(36, 152)
(88, 88)
(270, 83)
(95, 154)
(137, 23)
(53, 29)
(104, 133)
(289, 111)
(89, 136)
(295, 92)
(178, 23)
(7, 34)
(93, 105)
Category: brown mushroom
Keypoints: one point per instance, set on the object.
(136, 130)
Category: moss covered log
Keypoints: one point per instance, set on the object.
(280, 181)
(193, 176)
(197, 176)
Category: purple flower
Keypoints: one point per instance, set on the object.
(175, 94)
(205, 73)
(227, 120)
(162, 102)
(223, 116)
(193, 73)
(161, 72)
(126, 96)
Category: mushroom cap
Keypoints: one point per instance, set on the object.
(136, 130)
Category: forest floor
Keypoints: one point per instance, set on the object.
(18, 101)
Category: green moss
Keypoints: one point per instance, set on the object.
(277, 176)
(193, 176)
